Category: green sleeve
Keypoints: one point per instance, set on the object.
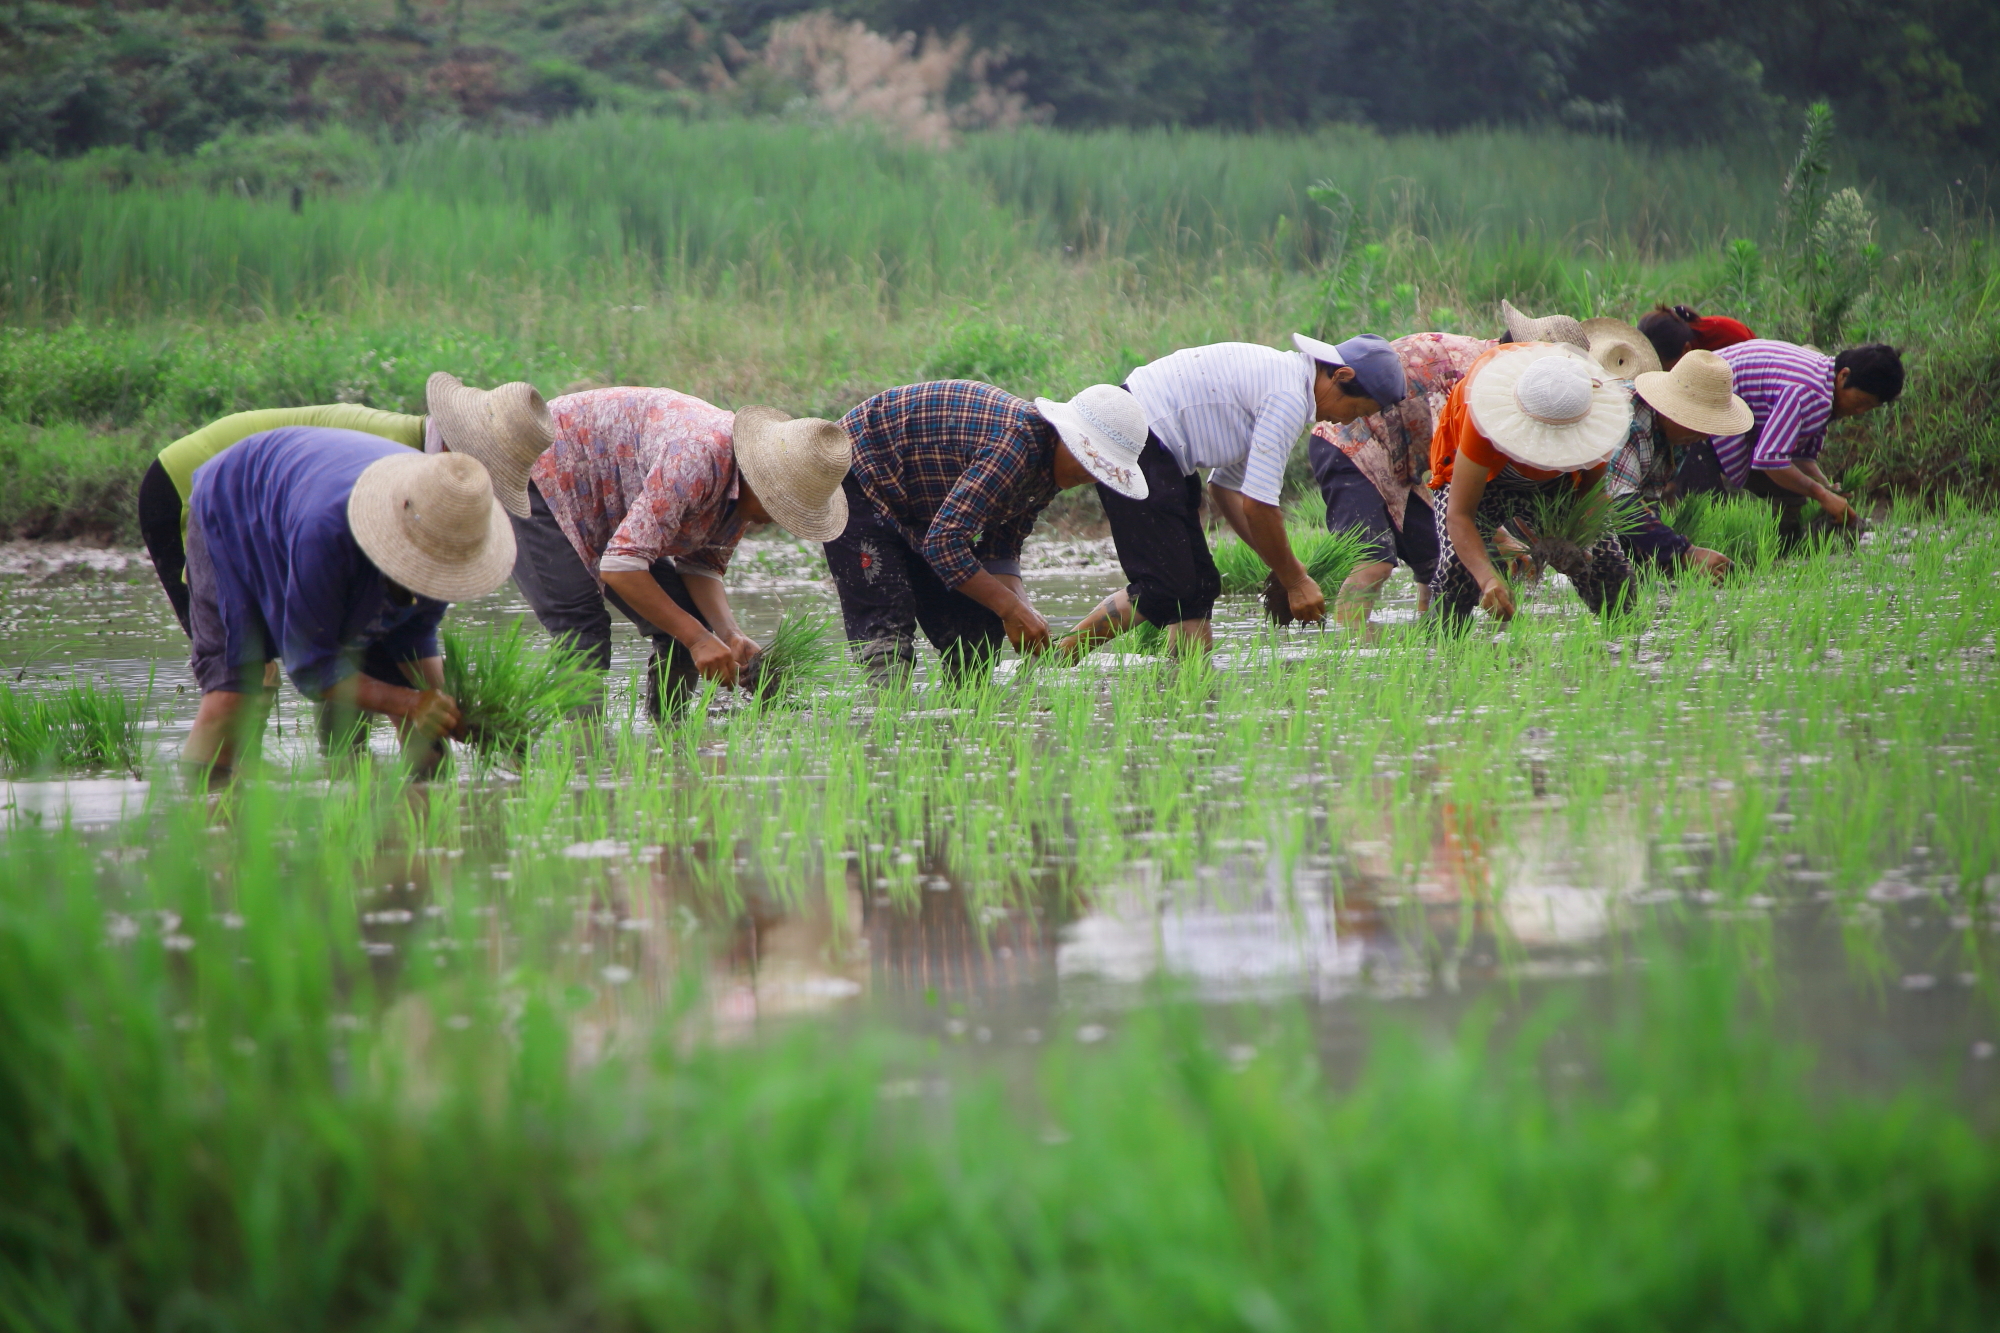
(184, 455)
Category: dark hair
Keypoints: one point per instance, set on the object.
(1668, 332)
(1351, 386)
(1875, 368)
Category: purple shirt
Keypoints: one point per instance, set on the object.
(1790, 392)
(290, 580)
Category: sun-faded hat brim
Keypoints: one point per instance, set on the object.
(1666, 397)
(506, 428)
(1605, 332)
(1568, 447)
(374, 510)
(1102, 456)
(773, 464)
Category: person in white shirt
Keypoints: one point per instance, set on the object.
(1239, 409)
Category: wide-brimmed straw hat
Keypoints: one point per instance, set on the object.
(1105, 428)
(506, 429)
(796, 465)
(1620, 347)
(1548, 329)
(431, 523)
(1698, 393)
(1549, 406)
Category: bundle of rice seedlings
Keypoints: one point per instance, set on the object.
(1742, 527)
(803, 655)
(509, 692)
(1328, 556)
(78, 727)
(1559, 530)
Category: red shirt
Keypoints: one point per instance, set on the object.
(1712, 333)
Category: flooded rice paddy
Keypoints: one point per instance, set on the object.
(1802, 761)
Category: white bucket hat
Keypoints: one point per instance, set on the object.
(796, 465)
(1105, 428)
(1548, 329)
(1699, 394)
(1548, 406)
(1620, 348)
(506, 429)
(431, 523)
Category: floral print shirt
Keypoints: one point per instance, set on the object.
(1392, 448)
(639, 475)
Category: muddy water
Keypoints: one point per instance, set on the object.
(1342, 931)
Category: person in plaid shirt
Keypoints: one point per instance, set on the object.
(947, 480)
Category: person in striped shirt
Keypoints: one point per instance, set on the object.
(1238, 409)
(1794, 393)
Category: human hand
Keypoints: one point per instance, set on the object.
(1026, 628)
(1712, 563)
(1307, 601)
(741, 647)
(434, 714)
(714, 660)
(1837, 509)
(1497, 599)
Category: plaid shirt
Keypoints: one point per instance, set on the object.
(961, 468)
(1790, 392)
(1644, 464)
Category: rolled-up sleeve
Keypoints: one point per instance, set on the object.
(1281, 419)
(966, 520)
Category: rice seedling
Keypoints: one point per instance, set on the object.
(1742, 527)
(510, 692)
(1328, 556)
(77, 727)
(1560, 530)
(804, 654)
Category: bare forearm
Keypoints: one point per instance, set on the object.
(1793, 479)
(1002, 595)
(713, 599)
(1264, 531)
(376, 696)
(1470, 548)
(1229, 504)
(644, 595)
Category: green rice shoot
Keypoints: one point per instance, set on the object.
(1742, 527)
(78, 728)
(1328, 556)
(803, 655)
(508, 691)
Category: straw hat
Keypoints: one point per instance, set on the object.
(1697, 394)
(1549, 406)
(1549, 329)
(1620, 347)
(1105, 428)
(430, 522)
(796, 465)
(506, 429)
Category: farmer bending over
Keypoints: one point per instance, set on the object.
(507, 442)
(1370, 472)
(1237, 408)
(1794, 393)
(334, 552)
(1674, 331)
(948, 478)
(1671, 413)
(1526, 432)
(641, 501)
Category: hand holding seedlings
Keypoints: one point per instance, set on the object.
(433, 713)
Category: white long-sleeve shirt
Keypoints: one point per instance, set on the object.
(1236, 407)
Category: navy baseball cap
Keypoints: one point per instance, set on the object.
(1378, 371)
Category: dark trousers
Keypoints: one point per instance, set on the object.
(1604, 580)
(1651, 540)
(888, 591)
(160, 528)
(1354, 505)
(1170, 574)
(570, 603)
(1701, 473)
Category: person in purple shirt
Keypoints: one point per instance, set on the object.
(334, 553)
(1794, 394)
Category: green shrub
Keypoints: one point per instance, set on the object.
(1015, 358)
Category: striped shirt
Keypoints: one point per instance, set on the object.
(1235, 407)
(959, 467)
(1790, 392)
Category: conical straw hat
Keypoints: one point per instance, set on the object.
(431, 523)
(1699, 394)
(1549, 406)
(1620, 348)
(796, 465)
(1548, 329)
(506, 429)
